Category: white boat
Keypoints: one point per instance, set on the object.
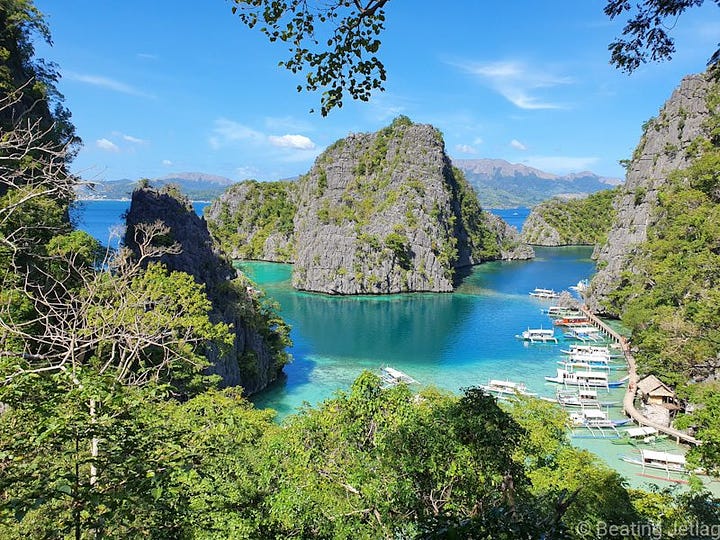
(601, 350)
(575, 364)
(595, 418)
(584, 398)
(538, 335)
(392, 377)
(580, 335)
(505, 389)
(560, 311)
(590, 379)
(581, 286)
(544, 293)
(642, 434)
(653, 459)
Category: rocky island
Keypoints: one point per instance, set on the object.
(378, 213)
(257, 354)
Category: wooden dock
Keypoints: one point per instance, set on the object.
(631, 390)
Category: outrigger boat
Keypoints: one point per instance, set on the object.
(393, 377)
(538, 335)
(642, 434)
(582, 398)
(560, 311)
(544, 293)
(591, 379)
(666, 461)
(505, 389)
(601, 350)
(595, 418)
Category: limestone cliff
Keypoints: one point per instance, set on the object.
(378, 213)
(254, 220)
(257, 355)
(566, 222)
(666, 145)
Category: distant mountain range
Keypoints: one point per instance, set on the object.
(197, 186)
(500, 184)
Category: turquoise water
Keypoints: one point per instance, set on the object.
(104, 219)
(451, 341)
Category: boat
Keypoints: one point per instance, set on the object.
(544, 293)
(572, 320)
(581, 286)
(595, 418)
(581, 335)
(538, 335)
(560, 311)
(576, 348)
(653, 459)
(392, 377)
(590, 379)
(642, 434)
(589, 365)
(505, 389)
(581, 398)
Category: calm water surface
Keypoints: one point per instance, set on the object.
(451, 341)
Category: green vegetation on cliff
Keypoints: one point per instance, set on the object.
(584, 221)
(671, 298)
(259, 210)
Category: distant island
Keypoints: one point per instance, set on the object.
(498, 183)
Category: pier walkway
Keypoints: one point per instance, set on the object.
(630, 391)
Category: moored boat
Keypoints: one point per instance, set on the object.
(580, 398)
(538, 335)
(392, 377)
(544, 293)
(591, 379)
(505, 389)
(653, 459)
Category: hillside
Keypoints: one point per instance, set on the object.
(500, 184)
(378, 213)
(194, 185)
(560, 222)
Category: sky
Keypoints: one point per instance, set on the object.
(158, 87)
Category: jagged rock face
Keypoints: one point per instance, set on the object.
(512, 247)
(662, 149)
(378, 213)
(538, 232)
(231, 304)
(381, 213)
(254, 220)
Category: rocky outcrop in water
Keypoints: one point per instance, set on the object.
(378, 213)
(257, 355)
(562, 222)
(666, 145)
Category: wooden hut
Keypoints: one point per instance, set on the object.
(655, 392)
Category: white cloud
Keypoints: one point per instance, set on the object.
(517, 145)
(477, 141)
(147, 56)
(228, 131)
(561, 164)
(133, 140)
(517, 83)
(299, 142)
(167, 162)
(105, 82)
(105, 144)
(465, 149)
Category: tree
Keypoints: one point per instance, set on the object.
(646, 31)
(336, 42)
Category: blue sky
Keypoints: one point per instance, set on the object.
(159, 87)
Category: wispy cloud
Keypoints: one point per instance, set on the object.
(228, 132)
(517, 145)
(301, 142)
(147, 56)
(134, 140)
(167, 162)
(561, 164)
(517, 82)
(107, 83)
(105, 144)
(465, 149)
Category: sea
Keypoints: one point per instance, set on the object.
(448, 340)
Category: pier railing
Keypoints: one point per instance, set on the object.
(631, 390)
